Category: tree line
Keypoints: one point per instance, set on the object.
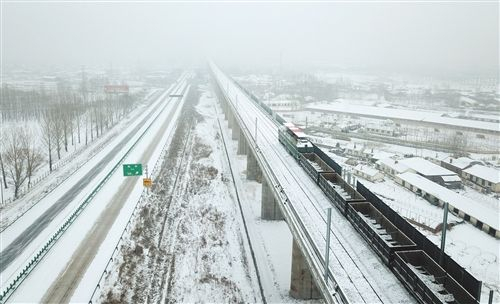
(63, 119)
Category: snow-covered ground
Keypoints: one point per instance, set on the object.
(202, 254)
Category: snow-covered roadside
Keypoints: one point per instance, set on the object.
(202, 255)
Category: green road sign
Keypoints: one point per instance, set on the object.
(132, 169)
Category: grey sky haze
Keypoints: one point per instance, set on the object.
(439, 36)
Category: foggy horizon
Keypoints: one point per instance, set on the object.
(402, 37)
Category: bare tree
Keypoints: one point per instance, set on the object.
(1, 162)
(3, 172)
(33, 155)
(47, 127)
(15, 160)
(57, 132)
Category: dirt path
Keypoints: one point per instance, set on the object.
(188, 244)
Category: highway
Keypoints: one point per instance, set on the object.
(361, 275)
(23, 237)
(32, 231)
(62, 289)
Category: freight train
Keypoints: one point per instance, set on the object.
(408, 253)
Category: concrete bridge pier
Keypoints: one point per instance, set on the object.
(242, 144)
(235, 133)
(230, 119)
(225, 107)
(269, 207)
(302, 284)
(253, 170)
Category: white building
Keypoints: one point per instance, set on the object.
(432, 172)
(368, 173)
(485, 177)
(391, 166)
(466, 208)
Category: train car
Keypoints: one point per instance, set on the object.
(339, 191)
(403, 250)
(428, 282)
(314, 165)
(380, 233)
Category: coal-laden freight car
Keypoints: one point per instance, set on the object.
(339, 191)
(314, 165)
(429, 282)
(379, 232)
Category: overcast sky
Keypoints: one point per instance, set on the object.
(414, 36)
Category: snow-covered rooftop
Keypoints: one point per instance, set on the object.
(490, 174)
(403, 114)
(397, 166)
(461, 162)
(471, 207)
(451, 178)
(425, 167)
(367, 170)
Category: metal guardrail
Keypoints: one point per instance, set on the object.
(304, 240)
(35, 260)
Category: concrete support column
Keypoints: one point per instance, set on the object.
(252, 166)
(226, 109)
(302, 284)
(235, 134)
(230, 119)
(269, 209)
(242, 144)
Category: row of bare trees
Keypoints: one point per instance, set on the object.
(21, 157)
(65, 119)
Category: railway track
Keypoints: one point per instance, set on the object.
(350, 263)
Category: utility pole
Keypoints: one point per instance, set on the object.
(443, 233)
(146, 171)
(255, 136)
(1, 190)
(327, 253)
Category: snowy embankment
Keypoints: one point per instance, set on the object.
(188, 244)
